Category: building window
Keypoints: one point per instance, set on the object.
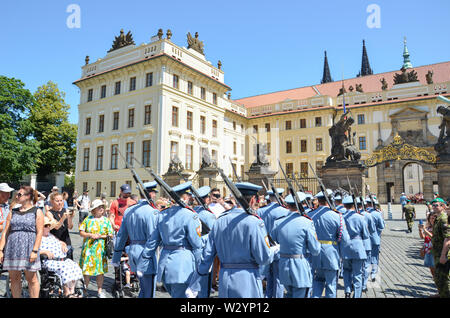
(114, 156)
(361, 119)
(234, 125)
(214, 100)
(362, 143)
(174, 116)
(234, 147)
(173, 149)
(303, 123)
(130, 153)
(288, 146)
(130, 117)
(214, 128)
(85, 186)
(98, 189)
(176, 81)
(267, 126)
(90, 94)
(115, 121)
(214, 155)
(242, 128)
(268, 148)
(101, 123)
(289, 168)
(319, 165)
(255, 129)
(146, 152)
(190, 89)
(132, 84)
(189, 149)
(148, 115)
(318, 121)
(303, 146)
(319, 146)
(103, 91)
(149, 79)
(99, 158)
(112, 192)
(86, 159)
(288, 125)
(304, 169)
(189, 119)
(203, 93)
(88, 126)
(117, 88)
(202, 124)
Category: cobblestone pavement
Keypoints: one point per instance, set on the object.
(401, 271)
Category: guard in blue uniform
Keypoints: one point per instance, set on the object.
(368, 247)
(269, 213)
(338, 202)
(332, 234)
(179, 233)
(241, 242)
(209, 219)
(138, 224)
(354, 251)
(298, 240)
(376, 238)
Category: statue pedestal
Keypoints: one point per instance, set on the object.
(443, 168)
(173, 179)
(206, 176)
(257, 173)
(334, 175)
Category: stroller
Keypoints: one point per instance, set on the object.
(51, 284)
(119, 290)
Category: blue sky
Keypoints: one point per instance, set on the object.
(264, 46)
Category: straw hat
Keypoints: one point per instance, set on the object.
(47, 220)
(95, 204)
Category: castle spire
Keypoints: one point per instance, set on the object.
(365, 65)
(326, 71)
(406, 61)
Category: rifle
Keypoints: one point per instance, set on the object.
(234, 171)
(274, 190)
(300, 186)
(370, 195)
(362, 199)
(195, 193)
(142, 190)
(355, 202)
(297, 201)
(173, 195)
(324, 191)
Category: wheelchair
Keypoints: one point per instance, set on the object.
(51, 283)
(118, 290)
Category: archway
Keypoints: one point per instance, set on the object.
(413, 186)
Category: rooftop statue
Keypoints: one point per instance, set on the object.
(443, 144)
(342, 145)
(195, 43)
(122, 40)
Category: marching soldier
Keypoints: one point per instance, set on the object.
(375, 239)
(354, 252)
(409, 212)
(242, 244)
(367, 244)
(138, 224)
(269, 214)
(179, 232)
(298, 240)
(338, 202)
(332, 234)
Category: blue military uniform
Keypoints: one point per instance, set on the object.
(240, 240)
(297, 238)
(209, 219)
(368, 247)
(138, 224)
(376, 240)
(179, 233)
(269, 213)
(354, 252)
(332, 234)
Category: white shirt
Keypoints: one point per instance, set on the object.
(84, 201)
(216, 208)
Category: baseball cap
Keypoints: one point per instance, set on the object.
(4, 187)
(438, 200)
(125, 188)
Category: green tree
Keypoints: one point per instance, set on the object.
(56, 136)
(18, 150)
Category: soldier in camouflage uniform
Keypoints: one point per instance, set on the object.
(441, 242)
(410, 214)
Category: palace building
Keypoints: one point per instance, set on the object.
(157, 99)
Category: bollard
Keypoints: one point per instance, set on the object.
(389, 211)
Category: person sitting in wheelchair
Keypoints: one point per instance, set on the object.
(57, 261)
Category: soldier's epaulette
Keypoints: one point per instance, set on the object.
(223, 214)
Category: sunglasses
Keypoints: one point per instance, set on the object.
(47, 225)
(21, 194)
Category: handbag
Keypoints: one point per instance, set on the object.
(109, 247)
(422, 252)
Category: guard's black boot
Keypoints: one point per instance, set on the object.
(347, 295)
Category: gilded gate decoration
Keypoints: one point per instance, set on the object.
(399, 150)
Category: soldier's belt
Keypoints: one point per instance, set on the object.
(328, 242)
(175, 247)
(239, 265)
(291, 255)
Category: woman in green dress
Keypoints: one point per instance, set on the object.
(94, 230)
